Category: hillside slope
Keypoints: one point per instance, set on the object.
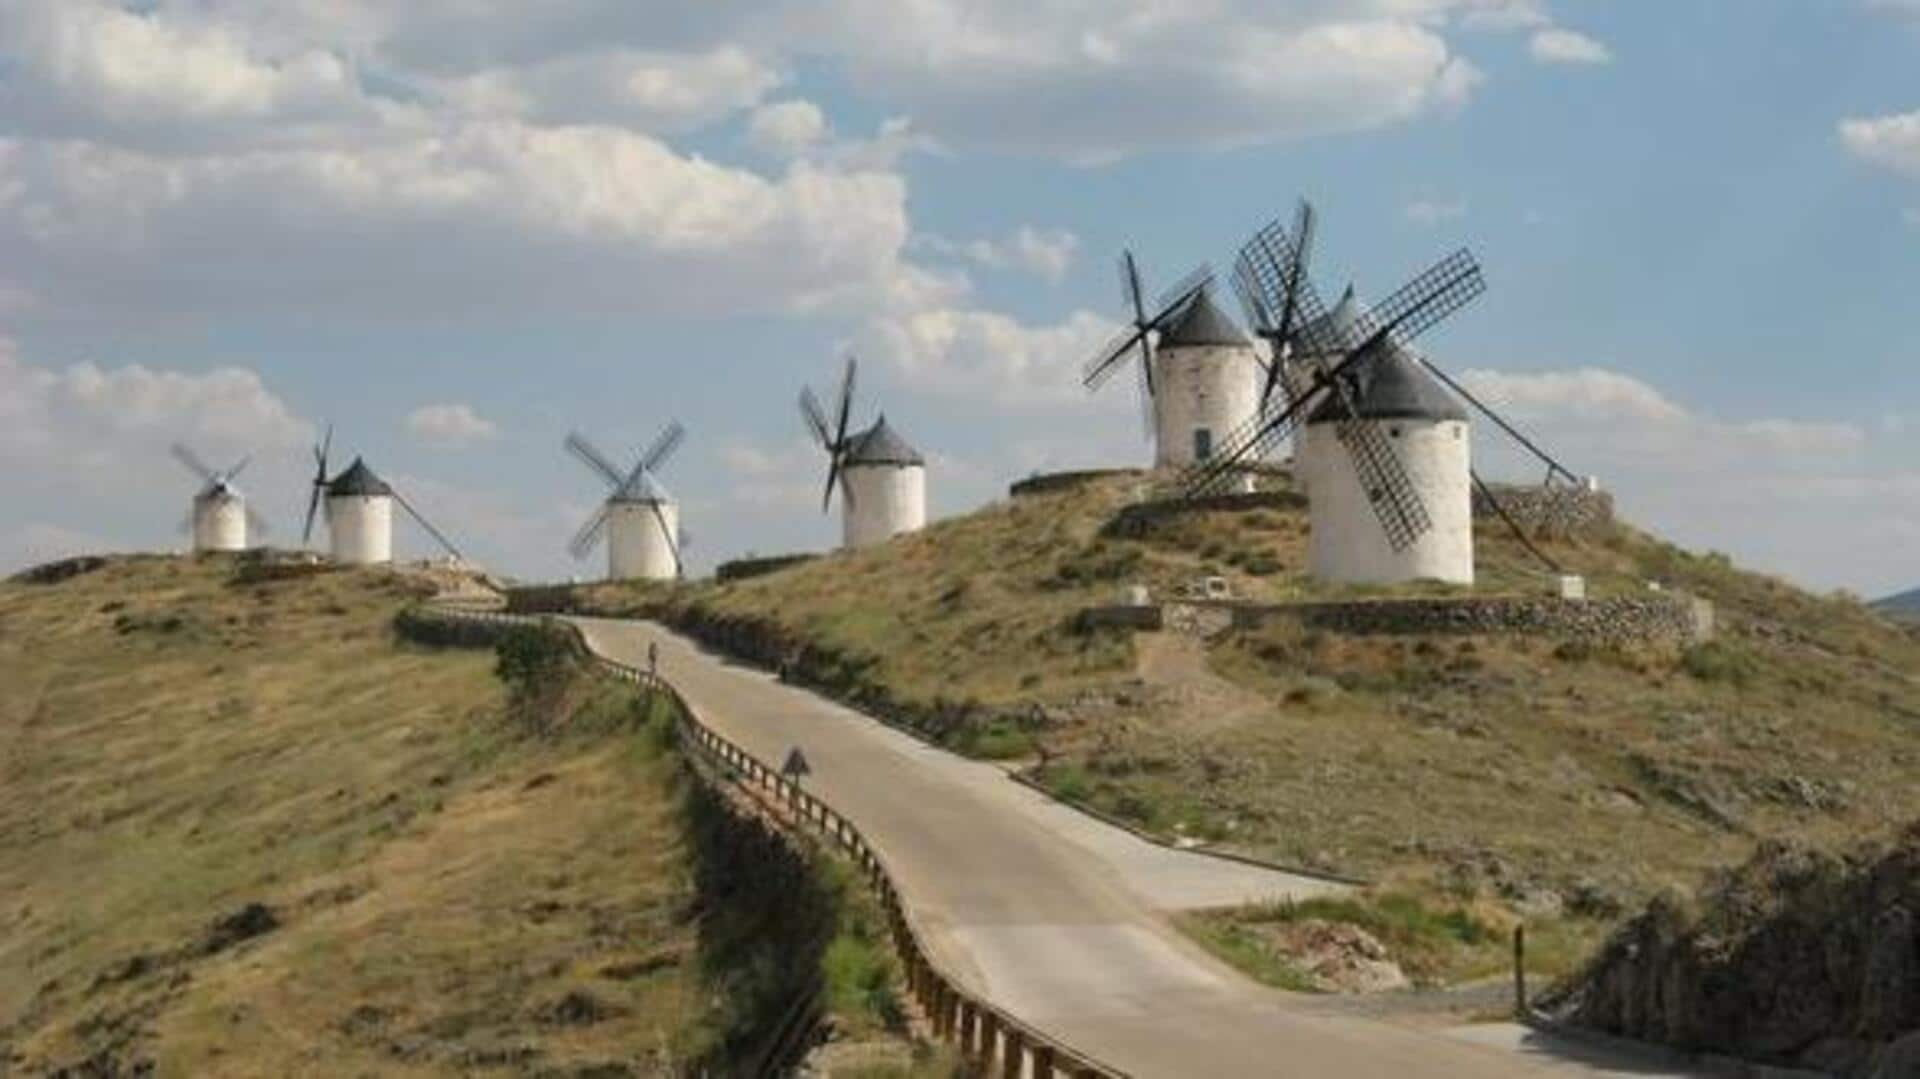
(245, 831)
(1549, 772)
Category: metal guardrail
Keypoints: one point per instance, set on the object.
(991, 1040)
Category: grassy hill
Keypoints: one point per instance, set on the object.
(245, 831)
(1548, 773)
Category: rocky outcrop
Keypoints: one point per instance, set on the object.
(1797, 957)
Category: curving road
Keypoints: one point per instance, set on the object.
(1062, 920)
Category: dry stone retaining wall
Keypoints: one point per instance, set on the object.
(1618, 620)
(1550, 512)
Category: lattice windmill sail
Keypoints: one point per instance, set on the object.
(358, 507)
(219, 519)
(639, 520)
(882, 479)
(1372, 518)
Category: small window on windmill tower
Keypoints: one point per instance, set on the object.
(1393, 432)
(1202, 443)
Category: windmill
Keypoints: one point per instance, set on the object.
(359, 510)
(1197, 371)
(640, 521)
(220, 517)
(882, 479)
(1371, 510)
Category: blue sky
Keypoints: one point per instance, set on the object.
(229, 222)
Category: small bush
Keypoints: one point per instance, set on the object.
(1716, 661)
(540, 669)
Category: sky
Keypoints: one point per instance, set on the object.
(458, 229)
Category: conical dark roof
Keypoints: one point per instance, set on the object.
(881, 445)
(1393, 386)
(358, 479)
(1202, 324)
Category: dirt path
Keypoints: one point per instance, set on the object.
(1174, 667)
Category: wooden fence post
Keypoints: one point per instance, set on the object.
(1043, 1062)
(1013, 1053)
(1520, 971)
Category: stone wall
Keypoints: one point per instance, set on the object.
(1618, 620)
(1549, 512)
(740, 569)
(1044, 482)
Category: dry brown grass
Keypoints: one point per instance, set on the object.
(174, 747)
(1502, 764)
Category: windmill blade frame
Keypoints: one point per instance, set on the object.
(815, 418)
(664, 444)
(255, 522)
(184, 454)
(590, 455)
(587, 537)
(438, 536)
(320, 451)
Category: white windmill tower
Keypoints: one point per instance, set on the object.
(640, 520)
(1199, 374)
(359, 511)
(220, 517)
(882, 479)
(1382, 448)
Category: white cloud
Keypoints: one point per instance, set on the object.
(652, 91)
(1557, 45)
(1891, 141)
(787, 128)
(1046, 253)
(1435, 211)
(1768, 489)
(84, 418)
(578, 216)
(449, 426)
(988, 355)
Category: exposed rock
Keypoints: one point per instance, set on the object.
(1337, 956)
(1796, 957)
(248, 922)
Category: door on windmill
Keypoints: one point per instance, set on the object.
(1202, 443)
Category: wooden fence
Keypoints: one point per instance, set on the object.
(993, 1042)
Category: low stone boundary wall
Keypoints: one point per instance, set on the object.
(1549, 512)
(1672, 617)
(992, 1041)
(742, 568)
(1045, 482)
(1618, 620)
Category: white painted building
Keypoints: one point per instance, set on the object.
(1428, 432)
(643, 533)
(219, 519)
(1206, 385)
(885, 492)
(360, 517)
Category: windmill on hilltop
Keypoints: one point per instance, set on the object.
(882, 479)
(358, 506)
(1198, 373)
(1384, 451)
(220, 517)
(639, 519)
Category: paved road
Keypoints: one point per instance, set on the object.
(1061, 919)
